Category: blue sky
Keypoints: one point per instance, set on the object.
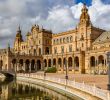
(88, 2)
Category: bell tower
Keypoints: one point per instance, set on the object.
(84, 18)
(18, 40)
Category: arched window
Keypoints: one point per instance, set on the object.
(60, 40)
(47, 50)
(54, 42)
(67, 39)
(70, 48)
(57, 41)
(35, 52)
(39, 51)
(63, 40)
(71, 38)
(62, 49)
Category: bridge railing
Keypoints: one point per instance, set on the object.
(93, 90)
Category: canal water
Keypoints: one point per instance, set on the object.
(25, 91)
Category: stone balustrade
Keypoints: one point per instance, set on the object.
(92, 90)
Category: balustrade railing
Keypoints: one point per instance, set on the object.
(93, 90)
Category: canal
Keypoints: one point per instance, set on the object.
(16, 90)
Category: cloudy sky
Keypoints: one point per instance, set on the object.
(55, 15)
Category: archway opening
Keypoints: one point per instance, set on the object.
(92, 61)
(76, 62)
(54, 62)
(70, 62)
(59, 62)
(49, 63)
(38, 65)
(33, 66)
(35, 53)
(14, 62)
(21, 65)
(101, 60)
(1, 64)
(27, 63)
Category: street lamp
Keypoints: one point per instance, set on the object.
(108, 63)
(43, 65)
(66, 76)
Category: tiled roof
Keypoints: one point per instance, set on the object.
(104, 37)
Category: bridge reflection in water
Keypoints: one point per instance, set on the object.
(26, 91)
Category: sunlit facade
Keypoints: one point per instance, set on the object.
(81, 50)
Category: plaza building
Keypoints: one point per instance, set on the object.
(81, 50)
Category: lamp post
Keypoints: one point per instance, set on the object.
(66, 76)
(108, 63)
(29, 69)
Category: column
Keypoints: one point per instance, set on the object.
(17, 67)
(30, 67)
(47, 62)
(73, 66)
(11, 66)
(42, 65)
(24, 66)
(52, 61)
(62, 65)
(96, 68)
(36, 66)
(57, 62)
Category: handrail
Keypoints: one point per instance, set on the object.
(93, 90)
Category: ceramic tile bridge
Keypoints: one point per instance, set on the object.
(8, 73)
(85, 91)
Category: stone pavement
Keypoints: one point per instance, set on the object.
(99, 80)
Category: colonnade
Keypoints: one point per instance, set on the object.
(26, 66)
(95, 64)
(98, 64)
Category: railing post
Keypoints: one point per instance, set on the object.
(94, 89)
(74, 82)
(83, 85)
(108, 96)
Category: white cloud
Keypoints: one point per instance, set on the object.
(100, 14)
(57, 15)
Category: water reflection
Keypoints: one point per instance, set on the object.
(26, 91)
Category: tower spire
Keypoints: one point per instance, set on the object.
(19, 29)
(84, 18)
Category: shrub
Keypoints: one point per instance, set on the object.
(51, 70)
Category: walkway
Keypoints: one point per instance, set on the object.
(81, 89)
(99, 80)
